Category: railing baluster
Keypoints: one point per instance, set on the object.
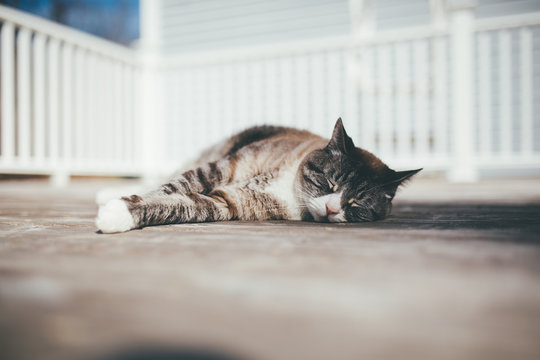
(23, 94)
(80, 106)
(229, 91)
(127, 121)
(318, 95)
(136, 151)
(287, 95)
(104, 116)
(7, 150)
(505, 92)
(67, 101)
(271, 92)
(526, 70)
(90, 123)
(173, 86)
(367, 128)
(333, 82)
(189, 134)
(213, 98)
(484, 94)
(421, 133)
(112, 111)
(201, 97)
(403, 100)
(384, 103)
(440, 97)
(302, 96)
(117, 115)
(39, 98)
(52, 89)
(351, 95)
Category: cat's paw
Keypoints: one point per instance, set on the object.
(114, 217)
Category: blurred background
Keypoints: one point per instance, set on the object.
(136, 88)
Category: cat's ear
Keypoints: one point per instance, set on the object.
(340, 140)
(397, 178)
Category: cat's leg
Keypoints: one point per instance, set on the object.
(201, 180)
(182, 199)
(239, 201)
(155, 208)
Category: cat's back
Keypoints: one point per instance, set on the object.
(259, 139)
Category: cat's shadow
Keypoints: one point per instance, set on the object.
(159, 353)
(421, 216)
(465, 216)
(508, 218)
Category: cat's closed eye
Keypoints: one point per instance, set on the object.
(314, 168)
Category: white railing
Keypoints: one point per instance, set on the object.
(507, 113)
(457, 97)
(426, 97)
(391, 95)
(69, 101)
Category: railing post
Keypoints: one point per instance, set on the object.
(439, 13)
(60, 178)
(151, 133)
(463, 162)
(362, 16)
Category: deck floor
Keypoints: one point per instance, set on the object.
(454, 273)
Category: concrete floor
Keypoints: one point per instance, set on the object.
(454, 273)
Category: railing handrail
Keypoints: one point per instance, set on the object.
(69, 35)
(261, 52)
(507, 21)
(275, 50)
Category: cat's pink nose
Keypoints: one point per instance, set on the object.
(331, 209)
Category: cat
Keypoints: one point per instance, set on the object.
(267, 173)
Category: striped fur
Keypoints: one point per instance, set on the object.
(269, 173)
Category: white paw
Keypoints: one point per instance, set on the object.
(114, 217)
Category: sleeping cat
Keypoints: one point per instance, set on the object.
(267, 173)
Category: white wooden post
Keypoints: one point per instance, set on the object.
(439, 13)
(362, 13)
(463, 166)
(150, 91)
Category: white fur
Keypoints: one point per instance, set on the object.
(317, 208)
(282, 189)
(114, 217)
(340, 217)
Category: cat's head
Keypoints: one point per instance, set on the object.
(343, 183)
